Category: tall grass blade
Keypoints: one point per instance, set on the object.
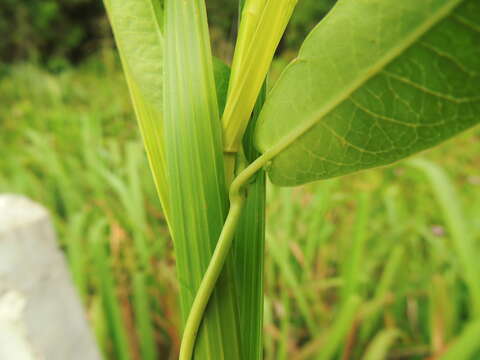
(196, 177)
(453, 213)
(76, 252)
(137, 29)
(389, 274)
(100, 325)
(337, 333)
(143, 318)
(108, 293)
(262, 26)
(378, 348)
(248, 252)
(292, 282)
(443, 313)
(318, 228)
(466, 346)
(353, 268)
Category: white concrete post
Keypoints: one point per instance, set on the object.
(41, 317)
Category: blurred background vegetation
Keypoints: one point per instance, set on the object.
(69, 140)
(58, 33)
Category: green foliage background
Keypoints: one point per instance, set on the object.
(55, 32)
(69, 140)
(50, 31)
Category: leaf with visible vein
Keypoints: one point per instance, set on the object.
(248, 252)
(140, 41)
(196, 177)
(375, 81)
(261, 29)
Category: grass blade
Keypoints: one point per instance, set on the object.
(293, 284)
(378, 348)
(353, 266)
(143, 317)
(248, 251)
(138, 22)
(339, 329)
(384, 286)
(77, 255)
(196, 176)
(108, 292)
(453, 213)
(262, 26)
(466, 345)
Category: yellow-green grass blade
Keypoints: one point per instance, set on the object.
(338, 331)
(392, 268)
(138, 35)
(195, 173)
(353, 265)
(466, 346)
(381, 344)
(248, 250)
(106, 288)
(250, 11)
(462, 240)
(260, 33)
(143, 316)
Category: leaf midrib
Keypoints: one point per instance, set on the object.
(376, 68)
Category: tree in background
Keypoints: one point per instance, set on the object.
(56, 32)
(50, 31)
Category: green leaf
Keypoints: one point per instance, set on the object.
(378, 348)
(138, 34)
(137, 27)
(376, 81)
(139, 38)
(222, 74)
(261, 28)
(248, 252)
(466, 346)
(107, 290)
(183, 145)
(196, 177)
(462, 241)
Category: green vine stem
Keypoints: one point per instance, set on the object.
(237, 201)
(210, 279)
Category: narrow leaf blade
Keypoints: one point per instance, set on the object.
(248, 252)
(196, 176)
(139, 38)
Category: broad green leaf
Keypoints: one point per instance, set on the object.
(196, 177)
(375, 81)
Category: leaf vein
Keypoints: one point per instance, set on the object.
(449, 58)
(430, 91)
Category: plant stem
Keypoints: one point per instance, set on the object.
(224, 244)
(210, 278)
